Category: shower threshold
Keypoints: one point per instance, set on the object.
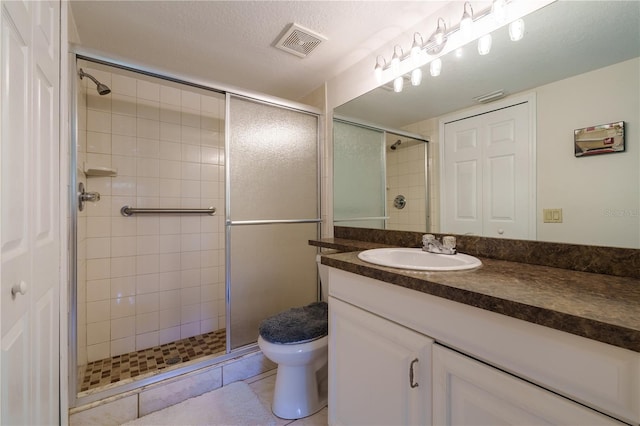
(134, 365)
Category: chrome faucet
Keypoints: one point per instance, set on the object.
(431, 244)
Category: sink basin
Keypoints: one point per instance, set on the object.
(417, 259)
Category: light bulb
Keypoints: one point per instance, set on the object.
(438, 37)
(395, 60)
(516, 30)
(499, 10)
(484, 44)
(416, 77)
(397, 84)
(467, 18)
(377, 71)
(416, 48)
(435, 67)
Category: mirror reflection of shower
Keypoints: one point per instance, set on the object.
(102, 89)
(403, 144)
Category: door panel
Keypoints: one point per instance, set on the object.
(468, 392)
(30, 199)
(507, 173)
(379, 371)
(273, 211)
(486, 162)
(15, 373)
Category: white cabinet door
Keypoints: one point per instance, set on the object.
(468, 392)
(30, 206)
(379, 371)
(488, 174)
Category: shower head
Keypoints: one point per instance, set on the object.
(395, 145)
(103, 89)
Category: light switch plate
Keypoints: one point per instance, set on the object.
(552, 215)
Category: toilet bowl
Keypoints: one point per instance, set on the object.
(297, 341)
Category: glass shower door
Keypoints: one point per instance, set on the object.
(358, 176)
(273, 211)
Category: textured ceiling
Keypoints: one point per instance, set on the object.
(231, 42)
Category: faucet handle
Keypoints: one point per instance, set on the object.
(449, 242)
(427, 238)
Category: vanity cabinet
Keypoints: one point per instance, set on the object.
(381, 371)
(468, 392)
(474, 366)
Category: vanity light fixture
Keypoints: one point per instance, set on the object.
(398, 83)
(435, 67)
(471, 26)
(516, 30)
(484, 44)
(467, 18)
(395, 60)
(379, 68)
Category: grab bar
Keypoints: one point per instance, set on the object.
(128, 211)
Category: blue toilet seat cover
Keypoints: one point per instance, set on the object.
(297, 325)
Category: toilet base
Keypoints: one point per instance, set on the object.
(299, 392)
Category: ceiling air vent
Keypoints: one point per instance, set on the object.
(299, 41)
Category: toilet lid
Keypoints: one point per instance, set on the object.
(297, 325)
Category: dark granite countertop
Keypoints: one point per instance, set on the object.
(601, 307)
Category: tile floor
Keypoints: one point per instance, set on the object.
(111, 370)
(263, 386)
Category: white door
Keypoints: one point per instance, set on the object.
(379, 371)
(488, 174)
(30, 223)
(468, 392)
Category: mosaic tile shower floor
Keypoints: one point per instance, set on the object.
(111, 370)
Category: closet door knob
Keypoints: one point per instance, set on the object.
(19, 288)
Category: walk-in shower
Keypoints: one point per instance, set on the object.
(193, 239)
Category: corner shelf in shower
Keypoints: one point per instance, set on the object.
(95, 171)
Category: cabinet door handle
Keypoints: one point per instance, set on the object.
(411, 383)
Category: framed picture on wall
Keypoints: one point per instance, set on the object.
(602, 139)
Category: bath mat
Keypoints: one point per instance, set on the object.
(234, 404)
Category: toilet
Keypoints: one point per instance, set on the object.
(297, 341)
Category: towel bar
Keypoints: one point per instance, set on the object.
(128, 211)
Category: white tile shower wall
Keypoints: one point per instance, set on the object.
(429, 129)
(406, 176)
(157, 278)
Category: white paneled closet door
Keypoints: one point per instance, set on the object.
(29, 201)
(488, 173)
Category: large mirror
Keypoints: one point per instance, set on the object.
(581, 62)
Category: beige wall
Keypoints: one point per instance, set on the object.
(599, 195)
